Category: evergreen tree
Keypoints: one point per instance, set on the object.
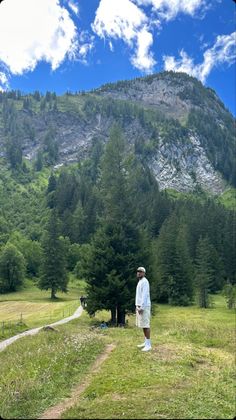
(51, 148)
(115, 250)
(203, 271)
(230, 294)
(36, 95)
(14, 151)
(39, 161)
(27, 103)
(181, 285)
(54, 275)
(164, 257)
(218, 271)
(114, 256)
(43, 104)
(52, 184)
(229, 246)
(73, 256)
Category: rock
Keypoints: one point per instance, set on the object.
(49, 328)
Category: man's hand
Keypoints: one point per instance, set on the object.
(140, 311)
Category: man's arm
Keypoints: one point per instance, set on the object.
(145, 294)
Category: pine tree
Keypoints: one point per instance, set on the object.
(181, 286)
(114, 257)
(51, 147)
(52, 184)
(230, 294)
(229, 246)
(36, 95)
(115, 249)
(203, 271)
(164, 257)
(54, 275)
(218, 271)
(39, 161)
(14, 147)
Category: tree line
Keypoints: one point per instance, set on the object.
(106, 216)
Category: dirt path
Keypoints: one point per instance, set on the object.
(56, 411)
(33, 331)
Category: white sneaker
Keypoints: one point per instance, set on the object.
(147, 348)
(140, 346)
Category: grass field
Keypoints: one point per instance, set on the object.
(188, 374)
(33, 307)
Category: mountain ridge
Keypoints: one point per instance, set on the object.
(180, 128)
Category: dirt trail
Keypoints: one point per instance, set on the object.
(56, 411)
(33, 331)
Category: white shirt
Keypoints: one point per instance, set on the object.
(142, 298)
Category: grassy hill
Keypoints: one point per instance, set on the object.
(188, 374)
(31, 307)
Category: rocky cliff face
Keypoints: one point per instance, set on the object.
(174, 94)
(147, 110)
(183, 168)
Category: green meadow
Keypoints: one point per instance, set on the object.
(190, 372)
(31, 307)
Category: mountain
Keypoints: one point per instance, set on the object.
(179, 128)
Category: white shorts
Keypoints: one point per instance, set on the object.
(143, 319)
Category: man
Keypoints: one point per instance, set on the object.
(82, 299)
(143, 308)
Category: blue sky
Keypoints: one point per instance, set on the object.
(61, 45)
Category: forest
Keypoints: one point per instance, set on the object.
(103, 217)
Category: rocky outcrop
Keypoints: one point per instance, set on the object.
(185, 167)
(159, 93)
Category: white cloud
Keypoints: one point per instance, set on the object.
(111, 46)
(128, 20)
(124, 20)
(3, 78)
(3, 81)
(85, 45)
(143, 58)
(74, 7)
(222, 52)
(32, 31)
(169, 9)
(118, 19)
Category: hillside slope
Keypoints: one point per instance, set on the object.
(179, 127)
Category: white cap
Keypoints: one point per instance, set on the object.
(141, 269)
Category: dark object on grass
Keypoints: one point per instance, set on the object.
(49, 328)
(83, 301)
(103, 325)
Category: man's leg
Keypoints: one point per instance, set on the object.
(146, 332)
(140, 346)
(147, 339)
